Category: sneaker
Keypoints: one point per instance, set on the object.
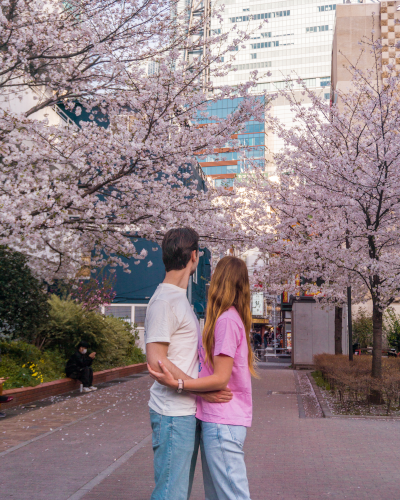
(2, 414)
(86, 389)
(93, 388)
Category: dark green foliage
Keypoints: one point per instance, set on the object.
(111, 338)
(391, 328)
(50, 364)
(23, 301)
(67, 324)
(363, 328)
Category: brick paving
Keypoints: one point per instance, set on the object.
(289, 455)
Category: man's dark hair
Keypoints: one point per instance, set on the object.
(83, 344)
(177, 247)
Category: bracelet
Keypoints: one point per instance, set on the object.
(180, 386)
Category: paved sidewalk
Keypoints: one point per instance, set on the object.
(103, 450)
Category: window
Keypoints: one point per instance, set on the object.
(254, 127)
(123, 312)
(263, 64)
(220, 169)
(263, 45)
(265, 15)
(325, 82)
(324, 8)
(327, 96)
(216, 31)
(234, 49)
(315, 29)
(140, 315)
(266, 35)
(223, 182)
(253, 56)
(152, 68)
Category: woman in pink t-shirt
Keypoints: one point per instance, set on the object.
(226, 359)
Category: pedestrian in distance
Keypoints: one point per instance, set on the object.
(226, 359)
(171, 334)
(79, 367)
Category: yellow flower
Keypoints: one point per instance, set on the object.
(23, 366)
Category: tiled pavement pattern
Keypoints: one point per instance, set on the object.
(289, 456)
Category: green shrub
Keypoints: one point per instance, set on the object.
(68, 324)
(23, 300)
(391, 328)
(110, 337)
(14, 355)
(363, 328)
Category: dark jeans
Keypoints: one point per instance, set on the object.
(85, 376)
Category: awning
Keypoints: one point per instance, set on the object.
(262, 321)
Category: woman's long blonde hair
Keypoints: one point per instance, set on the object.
(229, 287)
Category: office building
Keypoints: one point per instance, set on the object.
(356, 22)
(295, 40)
(222, 166)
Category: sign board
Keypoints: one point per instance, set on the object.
(257, 304)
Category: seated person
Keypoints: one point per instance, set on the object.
(4, 399)
(78, 367)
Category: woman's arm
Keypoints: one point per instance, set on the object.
(218, 380)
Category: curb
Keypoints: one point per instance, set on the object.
(324, 407)
(26, 395)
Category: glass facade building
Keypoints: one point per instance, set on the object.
(222, 166)
(296, 40)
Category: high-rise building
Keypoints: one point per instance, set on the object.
(223, 165)
(356, 23)
(295, 40)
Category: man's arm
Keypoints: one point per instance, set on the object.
(157, 351)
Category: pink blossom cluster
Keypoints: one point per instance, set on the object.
(92, 294)
(125, 171)
(331, 214)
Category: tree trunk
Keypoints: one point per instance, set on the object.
(377, 317)
(377, 320)
(338, 329)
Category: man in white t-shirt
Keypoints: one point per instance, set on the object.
(171, 333)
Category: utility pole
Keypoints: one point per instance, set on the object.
(349, 316)
(350, 323)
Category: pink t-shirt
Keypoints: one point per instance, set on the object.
(230, 340)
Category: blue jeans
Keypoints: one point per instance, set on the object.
(222, 459)
(175, 446)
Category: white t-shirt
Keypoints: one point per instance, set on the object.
(170, 319)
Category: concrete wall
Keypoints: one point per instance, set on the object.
(313, 332)
(24, 99)
(353, 24)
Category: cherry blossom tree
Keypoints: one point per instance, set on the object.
(332, 212)
(125, 171)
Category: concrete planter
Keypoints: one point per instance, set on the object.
(27, 395)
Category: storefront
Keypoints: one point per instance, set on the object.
(284, 334)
